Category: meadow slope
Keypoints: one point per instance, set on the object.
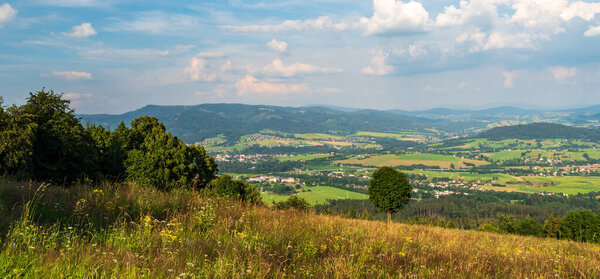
(128, 231)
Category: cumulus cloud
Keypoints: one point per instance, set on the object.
(78, 99)
(509, 77)
(322, 23)
(480, 41)
(278, 68)
(210, 54)
(278, 46)
(391, 16)
(251, 85)
(474, 12)
(198, 70)
(7, 13)
(592, 31)
(72, 75)
(83, 30)
(583, 10)
(563, 73)
(378, 66)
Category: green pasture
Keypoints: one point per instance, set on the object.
(317, 195)
(303, 157)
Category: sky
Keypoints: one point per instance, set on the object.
(112, 56)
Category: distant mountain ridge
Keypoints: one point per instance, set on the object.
(195, 123)
(540, 130)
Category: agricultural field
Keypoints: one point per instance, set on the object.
(392, 160)
(396, 136)
(302, 158)
(317, 195)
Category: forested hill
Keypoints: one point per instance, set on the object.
(195, 123)
(540, 131)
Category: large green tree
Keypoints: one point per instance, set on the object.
(389, 190)
(581, 226)
(158, 158)
(44, 140)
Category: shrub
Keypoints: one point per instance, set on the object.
(293, 202)
(226, 186)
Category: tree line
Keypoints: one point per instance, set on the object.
(43, 140)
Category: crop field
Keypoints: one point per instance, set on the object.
(548, 154)
(433, 160)
(568, 185)
(318, 136)
(303, 157)
(396, 136)
(318, 195)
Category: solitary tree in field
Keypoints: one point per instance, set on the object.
(389, 190)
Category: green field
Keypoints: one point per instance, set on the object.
(318, 136)
(397, 136)
(433, 160)
(303, 157)
(318, 195)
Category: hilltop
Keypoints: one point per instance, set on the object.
(540, 131)
(195, 123)
(129, 231)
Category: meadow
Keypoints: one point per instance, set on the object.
(392, 160)
(317, 195)
(127, 231)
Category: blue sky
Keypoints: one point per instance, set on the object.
(114, 56)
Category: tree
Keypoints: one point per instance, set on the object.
(293, 202)
(389, 190)
(581, 226)
(226, 186)
(44, 140)
(552, 226)
(529, 226)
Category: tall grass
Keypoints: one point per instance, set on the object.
(126, 231)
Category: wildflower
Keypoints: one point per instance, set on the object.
(413, 275)
(402, 254)
(241, 234)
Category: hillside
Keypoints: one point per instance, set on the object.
(195, 123)
(540, 131)
(133, 232)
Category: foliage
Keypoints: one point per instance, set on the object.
(540, 131)
(581, 226)
(293, 202)
(226, 186)
(44, 141)
(389, 189)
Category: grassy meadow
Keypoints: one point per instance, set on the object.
(392, 160)
(317, 195)
(127, 231)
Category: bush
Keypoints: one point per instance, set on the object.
(226, 186)
(293, 202)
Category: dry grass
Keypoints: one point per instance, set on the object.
(184, 234)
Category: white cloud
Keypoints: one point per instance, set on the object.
(322, 23)
(251, 85)
(378, 66)
(278, 46)
(509, 77)
(390, 16)
(198, 70)
(592, 31)
(72, 75)
(277, 68)
(7, 13)
(562, 73)
(83, 30)
(498, 40)
(475, 11)
(156, 22)
(210, 54)
(583, 10)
